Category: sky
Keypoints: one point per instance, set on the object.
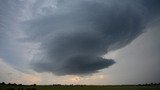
(93, 42)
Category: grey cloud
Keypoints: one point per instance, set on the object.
(10, 49)
(76, 36)
(76, 65)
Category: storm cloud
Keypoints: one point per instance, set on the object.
(78, 33)
(74, 36)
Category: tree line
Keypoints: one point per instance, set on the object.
(14, 84)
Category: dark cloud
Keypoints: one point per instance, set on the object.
(75, 37)
(77, 65)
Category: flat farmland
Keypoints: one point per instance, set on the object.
(79, 87)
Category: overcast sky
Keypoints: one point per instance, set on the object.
(80, 41)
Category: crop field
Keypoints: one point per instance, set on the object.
(79, 87)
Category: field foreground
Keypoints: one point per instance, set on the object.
(79, 87)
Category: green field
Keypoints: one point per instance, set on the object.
(114, 87)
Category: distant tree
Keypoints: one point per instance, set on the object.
(33, 85)
(14, 84)
(3, 83)
(146, 84)
(56, 84)
(139, 84)
(155, 84)
(9, 84)
(19, 84)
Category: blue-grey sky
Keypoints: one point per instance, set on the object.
(79, 41)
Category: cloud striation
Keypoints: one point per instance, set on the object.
(77, 33)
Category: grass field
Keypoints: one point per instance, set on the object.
(114, 87)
